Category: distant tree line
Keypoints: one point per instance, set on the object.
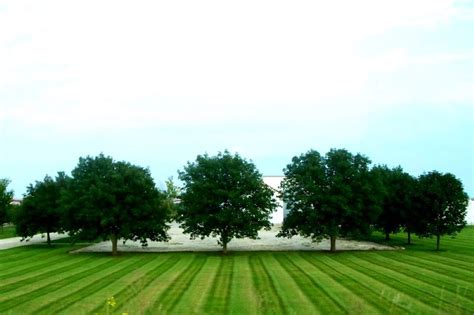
(331, 196)
(6, 198)
(339, 195)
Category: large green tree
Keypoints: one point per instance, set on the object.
(224, 196)
(397, 203)
(112, 200)
(6, 197)
(40, 211)
(411, 214)
(331, 196)
(442, 205)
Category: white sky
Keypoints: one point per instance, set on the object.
(75, 70)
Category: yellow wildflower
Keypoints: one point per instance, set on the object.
(111, 301)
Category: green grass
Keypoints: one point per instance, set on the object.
(7, 232)
(418, 280)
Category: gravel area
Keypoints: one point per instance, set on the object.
(37, 239)
(267, 242)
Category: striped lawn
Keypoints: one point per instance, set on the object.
(418, 280)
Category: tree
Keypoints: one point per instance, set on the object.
(172, 194)
(40, 211)
(411, 215)
(397, 201)
(330, 196)
(6, 197)
(443, 205)
(224, 196)
(111, 200)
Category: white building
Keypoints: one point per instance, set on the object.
(470, 212)
(274, 183)
(16, 202)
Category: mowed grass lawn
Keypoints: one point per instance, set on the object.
(419, 280)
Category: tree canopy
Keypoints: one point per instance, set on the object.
(397, 202)
(224, 196)
(331, 196)
(40, 211)
(6, 197)
(443, 205)
(112, 200)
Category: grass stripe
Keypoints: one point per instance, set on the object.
(457, 240)
(112, 287)
(348, 278)
(429, 278)
(143, 302)
(243, 299)
(19, 254)
(266, 292)
(331, 290)
(456, 246)
(220, 292)
(199, 292)
(460, 263)
(141, 283)
(429, 265)
(339, 294)
(23, 269)
(308, 285)
(57, 283)
(21, 282)
(170, 298)
(428, 294)
(463, 247)
(75, 289)
(389, 298)
(292, 295)
(458, 257)
(14, 255)
(445, 245)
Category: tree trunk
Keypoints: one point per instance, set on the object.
(387, 236)
(48, 239)
(114, 240)
(333, 243)
(224, 247)
(437, 242)
(224, 240)
(409, 237)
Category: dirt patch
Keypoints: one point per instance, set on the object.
(267, 242)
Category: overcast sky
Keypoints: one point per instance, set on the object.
(157, 82)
